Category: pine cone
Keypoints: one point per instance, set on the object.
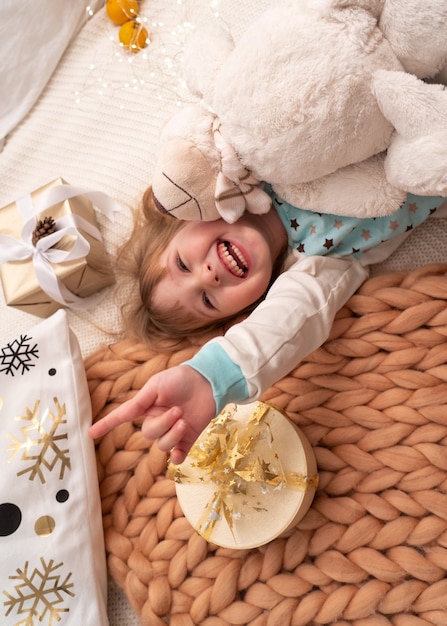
(43, 228)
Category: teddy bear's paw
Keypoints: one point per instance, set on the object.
(417, 33)
(417, 155)
(419, 165)
(415, 108)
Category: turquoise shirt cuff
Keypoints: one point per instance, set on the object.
(225, 376)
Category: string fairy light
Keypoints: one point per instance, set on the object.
(125, 79)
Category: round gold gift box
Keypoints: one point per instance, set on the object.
(249, 478)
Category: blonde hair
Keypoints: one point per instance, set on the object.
(138, 261)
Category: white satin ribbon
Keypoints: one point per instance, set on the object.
(237, 189)
(43, 253)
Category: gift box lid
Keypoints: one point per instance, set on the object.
(250, 477)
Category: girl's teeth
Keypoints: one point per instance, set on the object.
(237, 267)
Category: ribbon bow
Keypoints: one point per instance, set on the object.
(43, 253)
(236, 187)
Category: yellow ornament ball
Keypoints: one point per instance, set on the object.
(120, 11)
(133, 35)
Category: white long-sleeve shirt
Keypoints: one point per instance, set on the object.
(294, 319)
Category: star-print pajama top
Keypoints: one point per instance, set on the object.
(330, 259)
(323, 233)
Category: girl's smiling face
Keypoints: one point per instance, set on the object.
(215, 269)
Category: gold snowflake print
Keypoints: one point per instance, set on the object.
(43, 443)
(39, 594)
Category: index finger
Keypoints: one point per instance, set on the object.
(127, 412)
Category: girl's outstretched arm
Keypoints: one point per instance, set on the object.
(177, 405)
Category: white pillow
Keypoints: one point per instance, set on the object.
(52, 566)
(33, 37)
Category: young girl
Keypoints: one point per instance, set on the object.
(141, 258)
(197, 275)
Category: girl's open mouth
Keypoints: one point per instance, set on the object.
(232, 258)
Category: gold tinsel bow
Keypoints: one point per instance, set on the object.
(233, 458)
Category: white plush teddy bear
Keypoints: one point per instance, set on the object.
(323, 100)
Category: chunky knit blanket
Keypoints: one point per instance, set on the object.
(372, 550)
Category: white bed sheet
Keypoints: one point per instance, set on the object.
(97, 125)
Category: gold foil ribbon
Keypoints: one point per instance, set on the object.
(232, 457)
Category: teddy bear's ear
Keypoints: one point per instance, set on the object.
(205, 52)
(417, 156)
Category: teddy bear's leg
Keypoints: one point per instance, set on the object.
(370, 193)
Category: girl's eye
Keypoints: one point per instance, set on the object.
(207, 302)
(181, 265)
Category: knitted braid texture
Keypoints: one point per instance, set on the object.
(372, 550)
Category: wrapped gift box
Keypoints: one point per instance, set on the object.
(82, 276)
(250, 477)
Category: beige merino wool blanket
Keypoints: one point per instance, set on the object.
(372, 550)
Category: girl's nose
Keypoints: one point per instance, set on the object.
(210, 275)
